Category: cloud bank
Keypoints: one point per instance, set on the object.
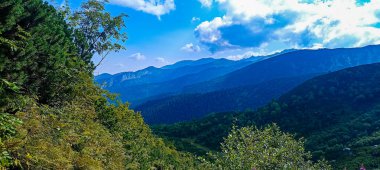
(295, 23)
(154, 7)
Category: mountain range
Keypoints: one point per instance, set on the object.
(152, 82)
(254, 85)
(337, 113)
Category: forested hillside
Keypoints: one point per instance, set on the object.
(187, 107)
(337, 114)
(53, 116)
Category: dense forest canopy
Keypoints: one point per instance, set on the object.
(53, 116)
(187, 107)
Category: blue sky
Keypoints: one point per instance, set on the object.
(163, 32)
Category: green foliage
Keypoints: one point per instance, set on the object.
(8, 125)
(200, 136)
(268, 148)
(67, 138)
(143, 150)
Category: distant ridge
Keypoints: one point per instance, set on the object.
(292, 64)
(255, 85)
(144, 84)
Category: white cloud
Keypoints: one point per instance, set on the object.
(206, 3)
(137, 57)
(161, 60)
(191, 48)
(208, 32)
(332, 23)
(195, 19)
(154, 7)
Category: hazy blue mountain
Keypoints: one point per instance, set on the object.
(103, 76)
(190, 63)
(255, 85)
(152, 82)
(292, 64)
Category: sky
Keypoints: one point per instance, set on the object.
(162, 32)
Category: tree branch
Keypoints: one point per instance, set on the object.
(103, 57)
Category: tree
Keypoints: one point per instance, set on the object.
(37, 52)
(269, 148)
(95, 30)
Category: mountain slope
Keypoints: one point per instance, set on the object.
(188, 107)
(337, 113)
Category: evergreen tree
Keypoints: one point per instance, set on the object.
(37, 51)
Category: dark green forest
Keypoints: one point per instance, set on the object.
(337, 114)
(188, 107)
(53, 115)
